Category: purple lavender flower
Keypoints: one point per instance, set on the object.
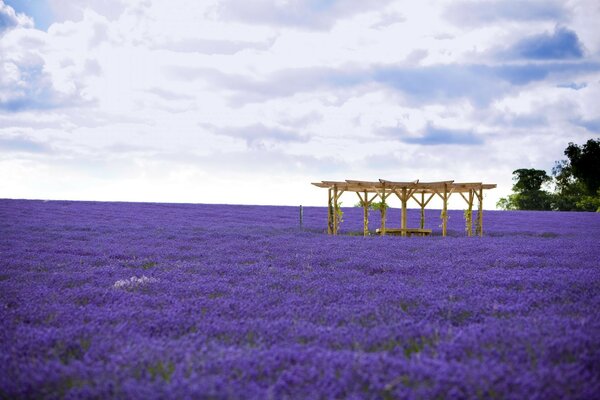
(104, 300)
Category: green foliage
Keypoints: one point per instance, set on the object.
(161, 370)
(585, 164)
(529, 180)
(535, 200)
(339, 212)
(568, 189)
(375, 205)
(468, 219)
(507, 203)
(528, 193)
(589, 203)
(379, 206)
(576, 183)
(444, 214)
(148, 264)
(577, 180)
(67, 352)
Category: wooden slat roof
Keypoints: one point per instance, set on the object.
(387, 185)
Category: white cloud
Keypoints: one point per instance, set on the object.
(312, 14)
(157, 101)
(480, 13)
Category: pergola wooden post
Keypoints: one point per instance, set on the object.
(445, 211)
(365, 204)
(383, 195)
(404, 207)
(423, 203)
(479, 228)
(406, 194)
(335, 209)
(445, 196)
(469, 212)
(330, 212)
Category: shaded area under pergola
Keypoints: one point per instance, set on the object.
(421, 192)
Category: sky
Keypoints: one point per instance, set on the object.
(248, 102)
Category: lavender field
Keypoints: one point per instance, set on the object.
(125, 300)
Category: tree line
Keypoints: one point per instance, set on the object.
(573, 186)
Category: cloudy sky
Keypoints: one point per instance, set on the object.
(231, 101)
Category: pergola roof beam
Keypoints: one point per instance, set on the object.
(419, 187)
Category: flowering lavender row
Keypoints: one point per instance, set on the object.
(183, 301)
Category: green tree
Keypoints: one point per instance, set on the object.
(576, 183)
(528, 193)
(585, 164)
(568, 190)
(507, 203)
(577, 179)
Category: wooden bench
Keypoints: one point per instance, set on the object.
(408, 231)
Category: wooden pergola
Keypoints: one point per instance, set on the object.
(421, 192)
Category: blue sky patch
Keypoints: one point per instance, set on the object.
(474, 13)
(563, 44)
(39, 10)
(572, 85)
(592, 125)
(433, 136)
(22, 144)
